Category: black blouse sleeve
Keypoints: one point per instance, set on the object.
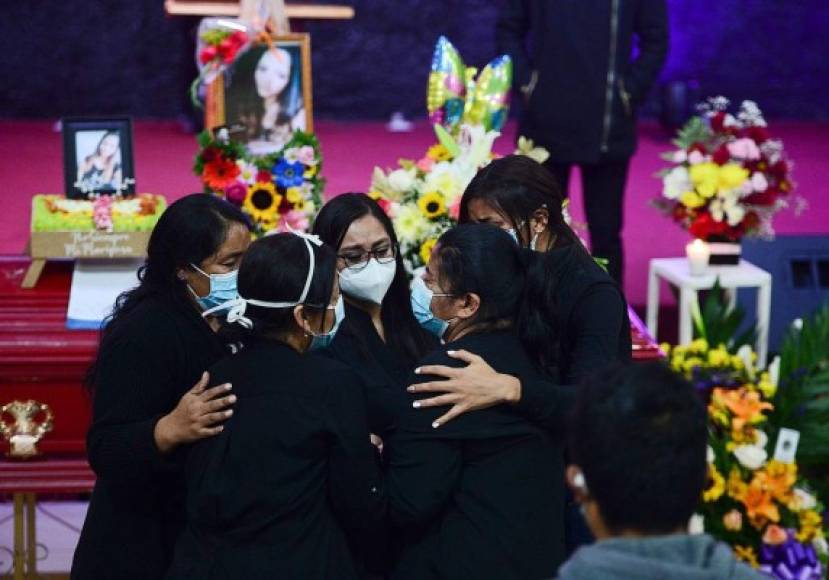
(596, 327)
(129, 399)
(355, 485)
(511, 30)
(546, 404)
(423, 468)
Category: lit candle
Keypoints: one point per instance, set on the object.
(698, 253)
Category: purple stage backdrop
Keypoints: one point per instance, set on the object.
(105, 57)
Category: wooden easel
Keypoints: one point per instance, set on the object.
(233, 9)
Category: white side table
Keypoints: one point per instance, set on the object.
(745, 275)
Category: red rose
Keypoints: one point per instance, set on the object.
(718, 122)
(767, 197)
(239, 38)
(759, 134)
(697, 147)
(780, 169)
(704, 227)
(263, 176)
(207, 54)
(227, 50)
(721, 155)
(209, 154)
(751, 221)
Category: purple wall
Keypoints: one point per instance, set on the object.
(105, 57)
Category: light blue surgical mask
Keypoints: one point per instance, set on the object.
(223, 290)
(324, 339)
(421, 306)
(514, 235)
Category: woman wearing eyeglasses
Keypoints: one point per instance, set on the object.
(380, 338)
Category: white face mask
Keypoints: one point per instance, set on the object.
(370, 282)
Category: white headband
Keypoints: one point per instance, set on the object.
(237, 307)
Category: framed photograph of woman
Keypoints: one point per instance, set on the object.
(97, 157)
(267, 92)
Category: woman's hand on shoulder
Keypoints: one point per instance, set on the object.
(199, 414)
(475, 386)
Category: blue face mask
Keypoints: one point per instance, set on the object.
(223, 289)
(421, 306)
(324, 340)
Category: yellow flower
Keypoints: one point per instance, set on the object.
(810, 525)
(705, 177)
(732, 176)
(747, 555)
(438, 153)
(294, 195)
(778, 479)
(766, 386)
(691, 363)
(699, 345)
(426, 249)
(666, 348)
(310, 172)
(736, 487)
(375, 195)
(262, 202)
(691, 199)
(410, 224)
(718, 357)
(716, 485)
(432, 205)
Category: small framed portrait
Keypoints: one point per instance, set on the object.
(267, 92)
(97, 157)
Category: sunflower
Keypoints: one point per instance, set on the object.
(426, 249)
(262, 202)
(220, 173)
(432, 205)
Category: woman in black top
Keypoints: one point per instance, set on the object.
(481, 497)
(579, 299)
(153, 349)
(293, 475)
(380, 338)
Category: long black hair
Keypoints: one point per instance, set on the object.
(191, 230)
(274, 269)
(484, 260)
(403, 333)
(519, 186)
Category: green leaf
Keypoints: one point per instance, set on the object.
(447, 140)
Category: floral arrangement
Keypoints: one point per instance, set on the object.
(56, 213)
(761, 506)
(219, 41)
(423, 197)
(728, 176)
(279, 191)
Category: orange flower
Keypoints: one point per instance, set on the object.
(220, 173)
(778, 478)
(760, 506)
(736, 487)
(733, 521)
(747, 555)
(746, 406)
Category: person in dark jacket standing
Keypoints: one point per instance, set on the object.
(582, 85)
(154, 348)
(293, 478)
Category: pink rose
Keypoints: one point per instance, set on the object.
(307, 156)
(695, 157)
(425, 164)
(744, 149)
(295, 220)
(455, 209)
(775, 535)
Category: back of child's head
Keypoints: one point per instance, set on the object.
(639, 435)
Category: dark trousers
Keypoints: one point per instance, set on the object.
(603, 184)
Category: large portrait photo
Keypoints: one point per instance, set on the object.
(97, 157)
(268, 93)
